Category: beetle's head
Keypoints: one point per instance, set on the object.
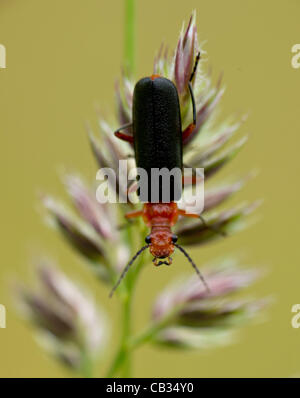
(161, 244)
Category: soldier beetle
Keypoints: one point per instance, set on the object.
(158, 140)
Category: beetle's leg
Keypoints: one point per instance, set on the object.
(187, 132)
(122, 136)
(183, 213)
(191, 127)
(134, 214)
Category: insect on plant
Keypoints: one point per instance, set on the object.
(169, 120)
(158, 139)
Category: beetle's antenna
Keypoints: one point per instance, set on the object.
(195, 66)
(194, 266)
(124, 272)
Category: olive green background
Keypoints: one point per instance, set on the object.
(63, 57)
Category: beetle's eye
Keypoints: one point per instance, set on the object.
(174, 238)
(148, 239)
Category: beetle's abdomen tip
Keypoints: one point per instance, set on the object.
(153, 77)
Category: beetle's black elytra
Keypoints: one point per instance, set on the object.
(157, 129)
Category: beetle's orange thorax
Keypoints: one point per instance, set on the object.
(160, 217)
(160, 214)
